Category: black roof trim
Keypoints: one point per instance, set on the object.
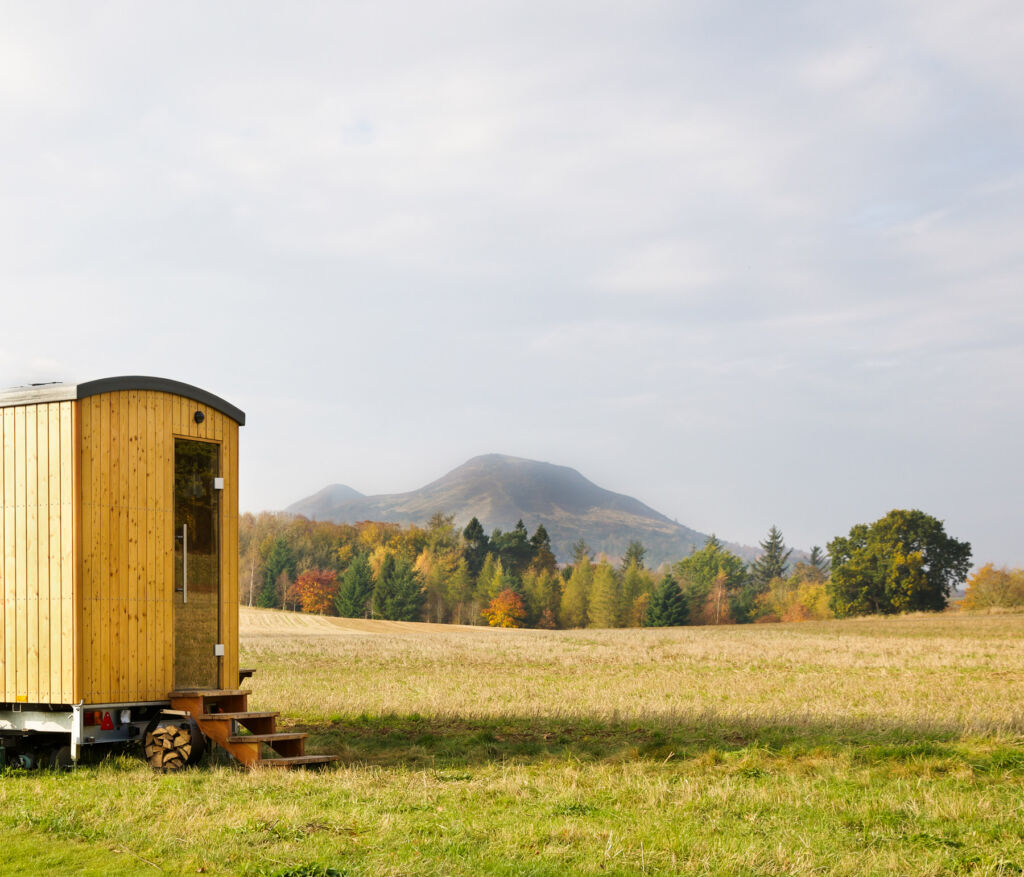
(161, 385)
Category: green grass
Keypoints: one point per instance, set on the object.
(932, 786)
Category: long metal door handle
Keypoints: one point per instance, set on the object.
(184, 563)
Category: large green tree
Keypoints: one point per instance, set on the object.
(702, 585)
(399, 592)
(903, 562)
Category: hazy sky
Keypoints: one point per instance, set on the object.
(750, 263)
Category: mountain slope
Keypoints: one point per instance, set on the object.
(500, 490)
(332, 496)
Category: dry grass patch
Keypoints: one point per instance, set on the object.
(954, 672)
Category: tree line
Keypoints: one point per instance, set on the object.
(903, 562)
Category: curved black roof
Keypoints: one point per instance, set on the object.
(54, 392)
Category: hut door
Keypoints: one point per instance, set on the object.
(196, 564)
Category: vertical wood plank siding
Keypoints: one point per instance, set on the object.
(37, 523)
(87, 546)
(128, 541)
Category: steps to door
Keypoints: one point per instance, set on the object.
(223, 717)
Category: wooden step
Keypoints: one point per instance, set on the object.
(234, 717)
(266, 738)
(299, 760)
(218, 712)
(210, 693)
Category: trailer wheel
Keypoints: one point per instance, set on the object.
(172, 743)
(60, 758)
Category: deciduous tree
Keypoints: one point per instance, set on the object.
(903, 562)
(990, 587)
(317, 590)
(604, 597)
(505, 610)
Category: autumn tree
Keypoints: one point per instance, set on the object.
(575, 605)
(356, 590)
(635, 588)
(903, 562)
(317, 590)
(505, 610)
(991, 587)
(542, 592)
(698, 573)
(460, 591)
(604, 597)
(801, 596)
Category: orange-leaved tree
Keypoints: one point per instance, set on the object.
(316, 590)
(505, 610)
(991, 586)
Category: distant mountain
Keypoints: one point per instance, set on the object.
(332, 496)
(500, 490)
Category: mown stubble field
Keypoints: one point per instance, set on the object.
(890, 746)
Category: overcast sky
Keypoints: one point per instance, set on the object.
(750, 263)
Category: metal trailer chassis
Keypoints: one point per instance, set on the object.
(30, 733)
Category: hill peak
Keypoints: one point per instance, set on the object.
(500, 489)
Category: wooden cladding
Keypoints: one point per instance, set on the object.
(37, 487)
(87, 570)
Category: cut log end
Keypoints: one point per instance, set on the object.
(168, 746)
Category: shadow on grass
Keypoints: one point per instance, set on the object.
(414, 740)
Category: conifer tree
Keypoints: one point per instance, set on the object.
(477, 545)
(635, 553)
(280, 560)
(772, 562)
(667, 607)
(356, 589)
(576, 597)
(634, 582)
(399, 592)
(581, 550)
(819, 560)
(604, 598)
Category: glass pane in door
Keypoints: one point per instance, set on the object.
(196, 564)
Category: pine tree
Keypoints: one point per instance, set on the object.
(356, 589)
(635, 553)
(772, 562)
(384, 590)
(667, 607)
(581, 550)
(399, 592)
(477, 545)
(280, 560)
(819, 560)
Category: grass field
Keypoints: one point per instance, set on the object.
(883, 746)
